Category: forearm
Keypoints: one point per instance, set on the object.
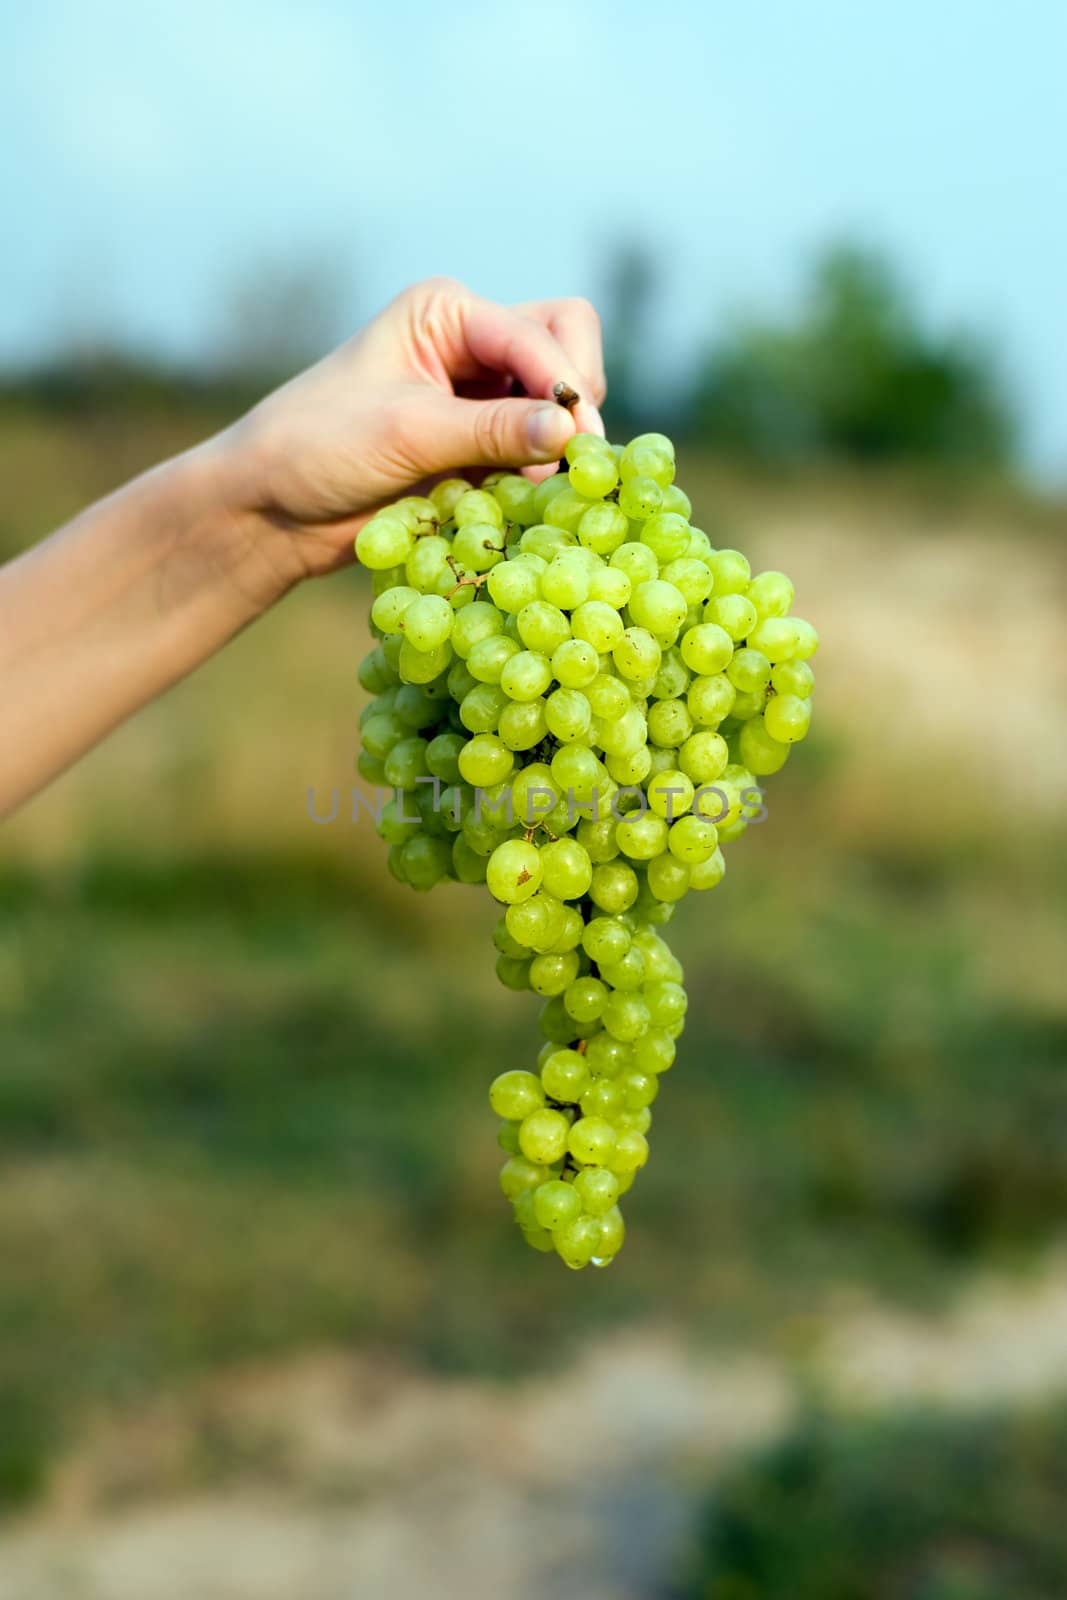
(129, 597)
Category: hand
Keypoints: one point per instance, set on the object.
(424, 389)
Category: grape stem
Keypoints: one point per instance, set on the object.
(565, 396)
(465, 581)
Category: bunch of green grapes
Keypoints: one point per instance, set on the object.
(575, 699)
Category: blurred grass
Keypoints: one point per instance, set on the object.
(918, 1508)
(242, 1095)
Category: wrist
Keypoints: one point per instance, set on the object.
(250, 549)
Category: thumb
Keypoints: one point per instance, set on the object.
(495, 433)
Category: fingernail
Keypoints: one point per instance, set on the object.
(548, 429)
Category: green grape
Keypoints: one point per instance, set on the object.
(658, 606)
(639, 498)
(514, 584)
(806, 637)
(565, 1075)
(542, 542)
(536, 923)
(704, 757)
(602, 529)
(636, 653)
(543, 627)
(568, 716)
(666, 1003)
(477, 506)
(514, 496)
(478, 546)
(707, 649)
(422, 666)
(761, 753)
(580, 444)
(522, 725)
(553, 972)
(526, 675)
(675, 499)
(731, 571)
(692, 578)
(597, 838)
(575, 664)
(597, 624)
(427, 622)
(631, 769)
(592, 1141)
(608, 696)
(384, 542)
(513, 974)
(627, 973)
(519, 1174)
(607, 1056)
(668, 878)
(446, 494)
(480, 710)
(667, 536)
(477, 621)
(388, 610)
(625, 1014)
(733, 613)
(792, 677)
(711, 700)
(565, 581)
(489, 657)
(610, 586)
(534, 793)
(641, 460)
(669, 723)
(613, 887)
(556, 1203)
(594, 474)
(692, 839)
(566, 511)
(598, 1190)
(670, 794)
(787, 718)
(543, 1136)
(566, 868)
(706, 874)
(603, 1098)
(771, 593)
(585, 998)
(630, 1152)
(612, 1235)
(514, 871)
(642, 837)
(749, 671)
(577, 1242)
(654, 1051)
(775, 638)
(484, 760)
(637, 561)
(576, 771)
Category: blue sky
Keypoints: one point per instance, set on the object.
(154, 155)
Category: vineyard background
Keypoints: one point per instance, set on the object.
(265, 1328)
(253, 1266)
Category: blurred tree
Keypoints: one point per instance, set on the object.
(856, 376)
(629, 291)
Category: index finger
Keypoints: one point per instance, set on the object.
(507, 340)
(575, 325)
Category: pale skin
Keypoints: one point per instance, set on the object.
(143, 586)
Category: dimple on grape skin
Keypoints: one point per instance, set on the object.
(591, 690)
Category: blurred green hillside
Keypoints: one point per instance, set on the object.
(242, 1101)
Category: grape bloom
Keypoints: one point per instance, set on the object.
(575, 699)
